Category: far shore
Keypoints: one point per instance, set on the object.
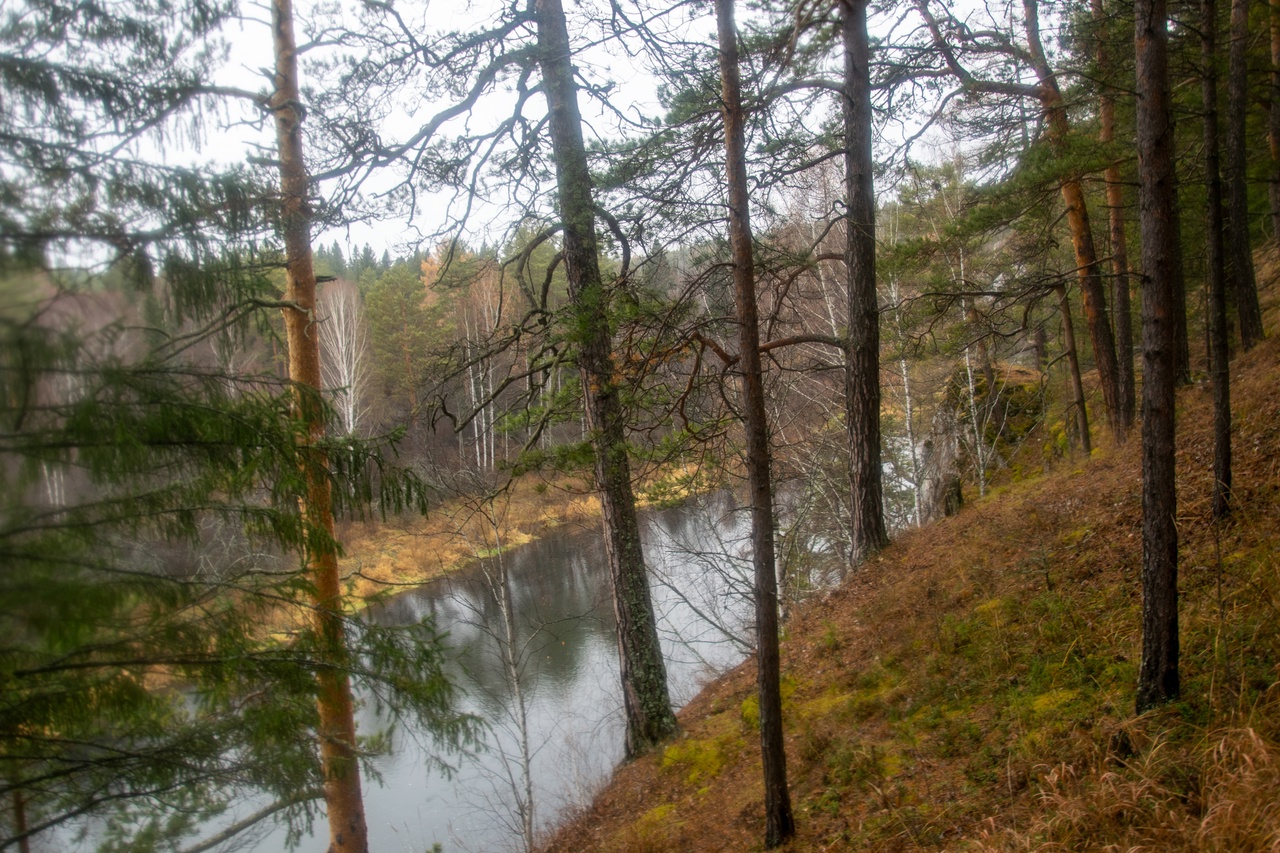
(385, 557)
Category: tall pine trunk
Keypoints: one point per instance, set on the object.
(1087, 268)
(779, 823)
(1122, 312)
(1273, 118)
(335, 709)
(862, 348)
(20, 821)
(1215, 274)
(644, 677)
(1158, 673)
(1242, 284)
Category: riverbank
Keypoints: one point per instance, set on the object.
(384, 557)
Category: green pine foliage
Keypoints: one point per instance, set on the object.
(394, 304)
(157, 652)
(155, 638)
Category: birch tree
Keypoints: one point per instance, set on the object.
(344, 344)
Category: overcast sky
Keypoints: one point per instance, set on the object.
(634, 90)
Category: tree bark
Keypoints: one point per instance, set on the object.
(344, 353)
(644, 676)
(862, 347)
(1241, 282)
(1087, 270)
(1122, 312)
(1273, 119)
(779, 823)
(1219, 371)
(1073, 368)
(1158, 680)
(20, 821)
(336, 728)
(908, 405)
(1181, 337)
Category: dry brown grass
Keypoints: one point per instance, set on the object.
(973, 686)
(1234, 804)
(387, 557)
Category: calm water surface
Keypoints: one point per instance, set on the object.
(565, 654)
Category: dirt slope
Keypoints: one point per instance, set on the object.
(973, 687)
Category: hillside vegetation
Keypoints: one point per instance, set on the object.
(972, 687)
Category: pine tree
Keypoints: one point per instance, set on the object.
(337, 261)
(335, 703)
(779, 822)
(398, 335)
(367, 262)
(862, 371)
(1158, 679)
(150, 493)
(646, 702)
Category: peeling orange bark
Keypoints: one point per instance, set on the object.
(334, 705)
(1087, 269)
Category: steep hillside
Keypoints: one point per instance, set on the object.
(973, 687)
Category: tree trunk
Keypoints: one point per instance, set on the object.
(1273, 119)
(1241, 283)
(1215, 274)
(644, 676)
(1073, 368)
(1090, 277)
(862, 347)
(344, 353)
(980, 345)
(1121, 303)
(1158, 673)
(20, 821)
(336, 728)
(779, 824)
(1181, 339)
(908, 404)
(978, 417)
(498, 579)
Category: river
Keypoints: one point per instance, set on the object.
(562, 629)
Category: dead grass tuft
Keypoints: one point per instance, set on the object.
(1221, 798)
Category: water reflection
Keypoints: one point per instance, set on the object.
(550, 673)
